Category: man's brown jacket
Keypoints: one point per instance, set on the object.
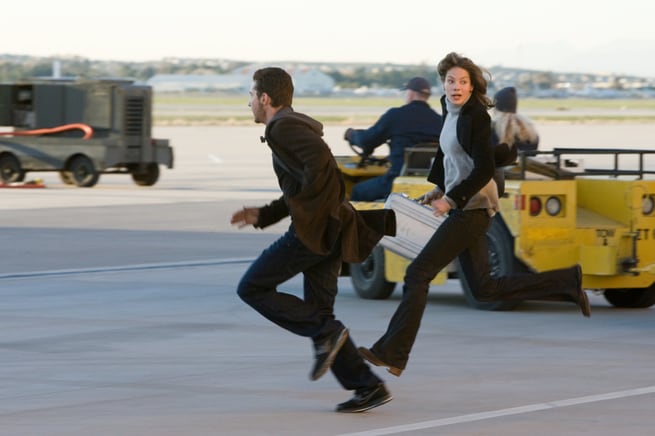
(313, 192)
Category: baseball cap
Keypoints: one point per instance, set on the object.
(418, 84)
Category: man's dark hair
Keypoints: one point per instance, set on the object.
(276, 83)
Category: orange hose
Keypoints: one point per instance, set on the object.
(88, 130)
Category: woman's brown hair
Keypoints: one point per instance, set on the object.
(476, 74)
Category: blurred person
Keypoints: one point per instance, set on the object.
(511, 132)
(403, 127)
(466, 193)
(325, 230)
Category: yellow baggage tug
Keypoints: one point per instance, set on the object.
(595, 207)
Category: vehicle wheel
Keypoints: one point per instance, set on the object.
(149, 177)
(631, 298)
(10, 169)
(66, 177)
(368, 277)
(501, 262)
(83, 172)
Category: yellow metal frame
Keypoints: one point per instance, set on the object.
(597, 228)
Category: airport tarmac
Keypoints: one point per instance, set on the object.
(119, 316)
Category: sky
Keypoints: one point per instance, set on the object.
(558, 35)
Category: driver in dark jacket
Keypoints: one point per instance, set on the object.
(413, 123)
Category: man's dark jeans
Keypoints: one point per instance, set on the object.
(311, 316)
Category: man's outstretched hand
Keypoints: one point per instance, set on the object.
(245, 216)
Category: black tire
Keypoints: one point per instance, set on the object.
(149, 177)
(10, 169)
(368, 277)
(631, 298)
(82, 172)
(501, 262)
(66, 178)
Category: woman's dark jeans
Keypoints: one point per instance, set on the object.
(462, 234)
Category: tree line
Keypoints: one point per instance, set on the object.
(346, 76)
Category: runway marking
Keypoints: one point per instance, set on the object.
(504, 412)
(137, 267)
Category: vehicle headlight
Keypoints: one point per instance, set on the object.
(553, 206)
(647, 204)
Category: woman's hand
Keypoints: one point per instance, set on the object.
(430, 196)
(440, 206)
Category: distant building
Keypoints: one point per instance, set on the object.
(306, 81)
(197, 83)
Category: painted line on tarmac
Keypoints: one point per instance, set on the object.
(505, 412)
(138, 267)
(215, 159)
